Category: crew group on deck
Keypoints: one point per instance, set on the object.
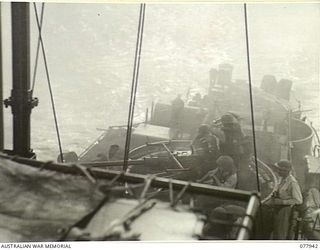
(221, 147)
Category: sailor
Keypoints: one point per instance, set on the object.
(177, 109)
(213, 229)
(205, 141)
(205, 102)
(206, 145)
(312, 205)
(224, 175)
(231, 215)
(115, 153)
(312, 198)
(102, 157)
(233, 135)
(196, 100)
(287, 195)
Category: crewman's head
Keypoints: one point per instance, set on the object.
(225, 163)
(283, 168)
(227, 119)
(113, 149)
(204, 129)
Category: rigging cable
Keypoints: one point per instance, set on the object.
(251, 99)
(48, 79)
(134, 85)
(37, 53)
(252, 111)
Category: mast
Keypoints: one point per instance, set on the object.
(21, 101)
(1, 87)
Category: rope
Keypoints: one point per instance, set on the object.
(134, 84)
(38, 50)
(48, 79)
(251, 99)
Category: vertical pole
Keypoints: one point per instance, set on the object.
(1, 87)
(247, 222)
(20, 95)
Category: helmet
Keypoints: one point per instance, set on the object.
(283, 166)
(226, 162)
(227, 119)
(204, 129)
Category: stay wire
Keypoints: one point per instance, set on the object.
(37, 51)
(49, 82)
(251, 109)
(127, 144)
(137, 75)
(134, 85)
(251, 99)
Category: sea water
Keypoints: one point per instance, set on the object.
(90, 53)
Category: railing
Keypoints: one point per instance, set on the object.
(251, 199)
